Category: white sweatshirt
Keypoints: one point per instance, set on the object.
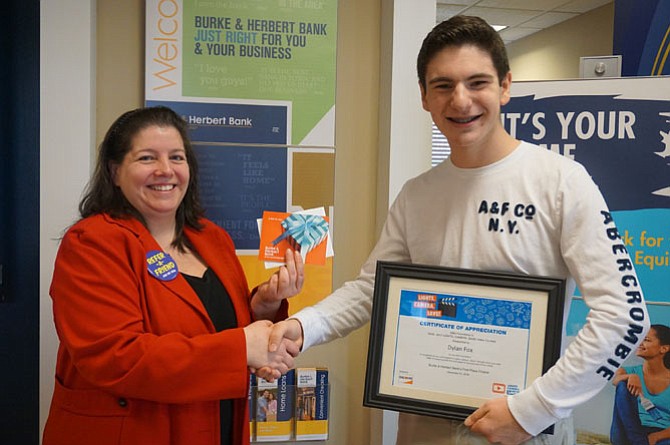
(533, 212)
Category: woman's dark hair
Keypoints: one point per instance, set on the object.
(103, 196)
(663, 335)
(458, 31)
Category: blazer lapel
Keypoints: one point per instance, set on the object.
(178, 285)
(226, 267)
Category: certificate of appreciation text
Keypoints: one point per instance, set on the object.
(476, 347)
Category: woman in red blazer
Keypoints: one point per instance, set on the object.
(152, 308)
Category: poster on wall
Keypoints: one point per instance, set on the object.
(619, 129)
(255, 81)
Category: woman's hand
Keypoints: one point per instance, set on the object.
(258, 356)
(287, 331)
(658, 436)
(284, 283)
(634, 385)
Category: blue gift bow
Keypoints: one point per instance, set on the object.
(307, 230)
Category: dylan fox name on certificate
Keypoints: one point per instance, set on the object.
(472, 346)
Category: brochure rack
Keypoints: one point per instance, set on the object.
(292, 409)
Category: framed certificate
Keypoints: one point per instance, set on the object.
(444, 340)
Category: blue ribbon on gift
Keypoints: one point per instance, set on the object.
(308, 231)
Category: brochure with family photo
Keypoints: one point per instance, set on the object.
(274, 408)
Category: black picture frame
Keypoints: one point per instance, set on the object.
(545, 295)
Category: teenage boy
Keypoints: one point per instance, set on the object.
(561, 228)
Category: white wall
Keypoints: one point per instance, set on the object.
(404, 128)
(554, 53)
(67, 112)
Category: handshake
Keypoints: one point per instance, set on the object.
(271, 348)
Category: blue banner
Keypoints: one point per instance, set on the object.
(624, 143)
(619, 129)
(642, 36)
(232, 123)
(238, 183)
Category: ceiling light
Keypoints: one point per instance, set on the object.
(498, 27)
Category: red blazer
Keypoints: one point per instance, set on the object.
(139, 361)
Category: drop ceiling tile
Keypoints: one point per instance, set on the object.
(446, 11)
(511, 34)
(531, 16)
(507, 17)
(457, 2)
(535, 5)
(582, 6)
(549, 19)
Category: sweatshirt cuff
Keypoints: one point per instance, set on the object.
(307, 318)
(530, 411)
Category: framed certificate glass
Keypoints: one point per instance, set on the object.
(444, 340)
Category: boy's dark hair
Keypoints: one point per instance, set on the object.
(458, 31)
(103, 196)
